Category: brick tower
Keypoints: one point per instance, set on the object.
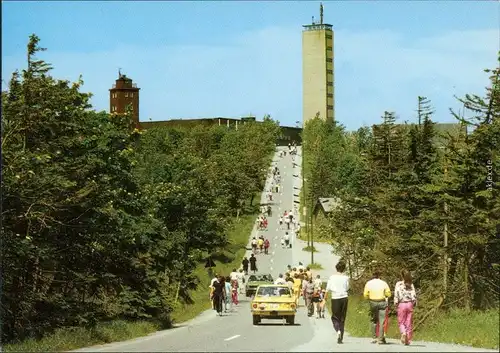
(124, 93)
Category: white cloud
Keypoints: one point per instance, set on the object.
(261, 72)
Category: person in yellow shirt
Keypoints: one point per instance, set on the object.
(260, 243)
(377, 292)
(297, 283)
(309, 273)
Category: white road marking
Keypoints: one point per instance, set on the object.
(276, 237)
(275, 245)
(272, 260)
(274, 252)
(232, 337)
(271, 268)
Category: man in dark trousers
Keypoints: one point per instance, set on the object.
(244, 264)
(218, 294)
(253, 263)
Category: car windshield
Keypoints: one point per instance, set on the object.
(273, 291)
(259, 278)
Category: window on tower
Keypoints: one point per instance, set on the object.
(329, 48)
(131, 94)
(126, 94)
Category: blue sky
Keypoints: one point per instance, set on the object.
(208, 59)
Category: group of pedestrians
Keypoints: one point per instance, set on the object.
(260, 245)
(377, 292)
(303, 284)
(224, 291)
(252, 262)
(289, 220)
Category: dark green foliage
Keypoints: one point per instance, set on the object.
(101, 223)
(402, 185)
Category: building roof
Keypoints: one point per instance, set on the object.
(328, 204)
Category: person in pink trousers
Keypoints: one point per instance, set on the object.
(405, 300)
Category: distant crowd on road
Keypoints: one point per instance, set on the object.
(304, 284)
(377, 292)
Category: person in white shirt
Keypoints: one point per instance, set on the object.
(234, 275)
(216, 278)
(338, 286)
(287, 239)
(300, 266)
(239, 278)
(280, 280)
(318, 282)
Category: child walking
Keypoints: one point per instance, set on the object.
(405, 300)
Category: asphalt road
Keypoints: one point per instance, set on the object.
(234, 331)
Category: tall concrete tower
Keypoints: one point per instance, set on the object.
(317, 71)
(123, 93)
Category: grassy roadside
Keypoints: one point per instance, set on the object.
(66, 339)
(239, 236)
(475, 328)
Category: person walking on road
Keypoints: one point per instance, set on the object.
(296, 288)
(405, 299)
(266, 246)
(253, 263)
(241, 279)
(280, 280)
(227, 294)
(218, 294)
(287, 240)
(338, 287)
(245, 264)
(260, 243)
(254, 245)
(308, 296)
(377, 292)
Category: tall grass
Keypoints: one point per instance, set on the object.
(474, 328)
(66, 339)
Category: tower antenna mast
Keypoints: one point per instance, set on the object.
(321, 13)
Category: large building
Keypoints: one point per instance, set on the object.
(123, 94)
(317, 71)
